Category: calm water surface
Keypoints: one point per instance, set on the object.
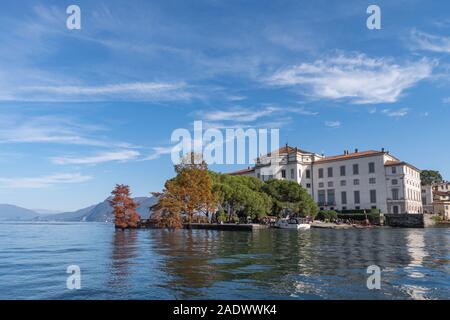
(202, 264)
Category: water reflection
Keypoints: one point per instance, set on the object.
(314, 264)
(185, 258)
(192, 264)
(124, 249)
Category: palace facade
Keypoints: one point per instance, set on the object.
(356, 180)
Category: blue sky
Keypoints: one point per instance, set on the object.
(81, 110)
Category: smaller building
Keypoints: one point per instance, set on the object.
(436, 199)
(441, 204)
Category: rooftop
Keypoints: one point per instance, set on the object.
(242, 171)
(288, 149)
(356, 154)
(400, 163)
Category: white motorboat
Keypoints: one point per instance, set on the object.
(292, 223)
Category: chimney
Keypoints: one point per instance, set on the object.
(356, 150)
(382, 149)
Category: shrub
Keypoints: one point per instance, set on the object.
(221, 216)
(374, 218)
(327, 215)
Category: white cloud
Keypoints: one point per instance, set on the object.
(141, 91)
(333, 124)
(42, 181)
(446, 100)
(396, 113)
(357, 77)
(160, 151)
(239, 114)
(122, 155)
(52, 129)
(239, 117)
(429, 42)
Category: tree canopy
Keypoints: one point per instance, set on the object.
(290, 197)
(124, 207)
(430, 177)
(188, 193)
(241, 196)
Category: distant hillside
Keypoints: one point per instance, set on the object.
(101, 212)
(10, 212)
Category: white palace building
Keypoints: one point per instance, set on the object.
(350, 181)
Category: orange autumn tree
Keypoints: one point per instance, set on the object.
(124, 207)
(188, 193)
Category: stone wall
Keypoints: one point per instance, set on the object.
(405, 220)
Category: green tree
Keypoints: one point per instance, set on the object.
(430, 176)
(289, 196)
(241, 196)
(188, 193)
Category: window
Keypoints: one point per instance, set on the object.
(321, 195)
(344, 197)
(373, 196)
(343, 183)
(330, 184)
(283, 173)
(342, 170)
(356, 182)
(308, 174)
(371, 167)
(292, 174)
(299, 173)
(394, 182)
(394, 170)
(321, 185)
(259, 176)
(320, 173)
(355, 169)
(308, 185)
(395, 209)
(330, 172)
(372, 180)
(330, 196)
(394, 194)
(344, 208)
(357, 197)
(357, 207)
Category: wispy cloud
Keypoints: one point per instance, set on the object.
(396, 113)
(142, 91)
(429, 42)
(239, 114)
(446, 100)
(357, 77)
(121, 156)
(52, 129)
(161, 151)
(42, 181)
(333, 124)
(240, 117)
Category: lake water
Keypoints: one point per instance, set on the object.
(205, 264)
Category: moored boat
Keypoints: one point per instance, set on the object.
(292, 223)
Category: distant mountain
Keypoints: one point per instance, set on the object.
(10, 212)
(101, 212)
